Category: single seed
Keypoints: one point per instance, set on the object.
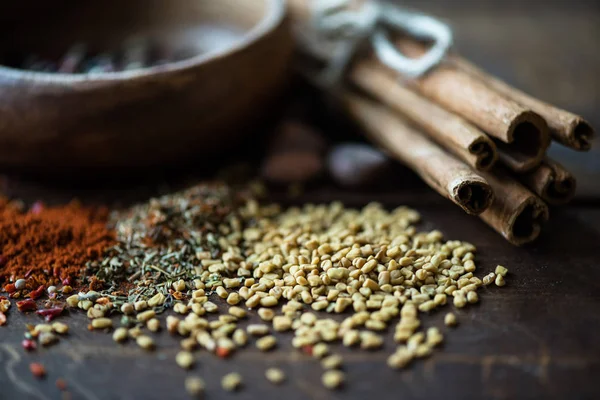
(275, 375)
(237, 312)
(266, 314)
(195, 386)
(268, 301)
(153, 325)
(120, 334)
(222, 292)
(231, 381)
(460, 301)
(140, 305)
(146, 315)
(500, 270)
(145, 342)
(333, 361)
(240, 337)
(179, 285)
(47, 338)
(60, 327)
(233, 298)
(472, 297)
(184, 359)
(320, 350)
(257, 329)
(500, 280)
(266, 343)
(127, 308)
(450, 320)
(157, 300)
(281, 323)
(101, 323)
(332, 379)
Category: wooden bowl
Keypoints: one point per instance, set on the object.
(161, 115)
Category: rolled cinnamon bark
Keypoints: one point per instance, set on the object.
(442, 172)
(523, 135)
(515, 213)
(552, 182)
(566, 128)
(460, 137)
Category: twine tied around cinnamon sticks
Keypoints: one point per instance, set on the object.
(471, 137)
(335, 20)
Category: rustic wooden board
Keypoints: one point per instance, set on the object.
(534, 338)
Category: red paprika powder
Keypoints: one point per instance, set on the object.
(50, 245)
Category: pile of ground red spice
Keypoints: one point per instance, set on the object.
(50, 245)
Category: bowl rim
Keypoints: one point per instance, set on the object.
(276, 12)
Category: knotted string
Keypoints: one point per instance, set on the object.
(348, 29)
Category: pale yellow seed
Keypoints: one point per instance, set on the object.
(179, 285)
(231, 381)
(233, 298)
(145, 342)
(500, 280)
(500, 270)
(351, 338)
(181, 308)
(268, 301)
(146, 315)
(127, 308)
(134, 333)
(237, 312)
(266, 314)
(221, 292)
(60, 327)
(120, 334)
(140, 305)
(472, 297)
(281, 323)
(275, 376)
(101, 323)
(195, 386)
(73, 301)
(153, 325)
(266, 343)
(332, 379)
(319, 305)
(450, 320)
(460, 301)
(333, 361)
(184, 359)
(257, 329)
(489, 278)
(157, 300)
(240, 337)
(320, 350)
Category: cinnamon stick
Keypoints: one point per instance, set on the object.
(464, 140)
(566, 128)
(442, 172)
(552, 182)
(523, 135)
(515, 213)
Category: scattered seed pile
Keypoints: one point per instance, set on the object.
(325, 273)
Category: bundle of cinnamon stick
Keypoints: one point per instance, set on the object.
(471, 137)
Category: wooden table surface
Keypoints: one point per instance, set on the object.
(534, 338)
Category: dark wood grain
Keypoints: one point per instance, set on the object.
(535, 338)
